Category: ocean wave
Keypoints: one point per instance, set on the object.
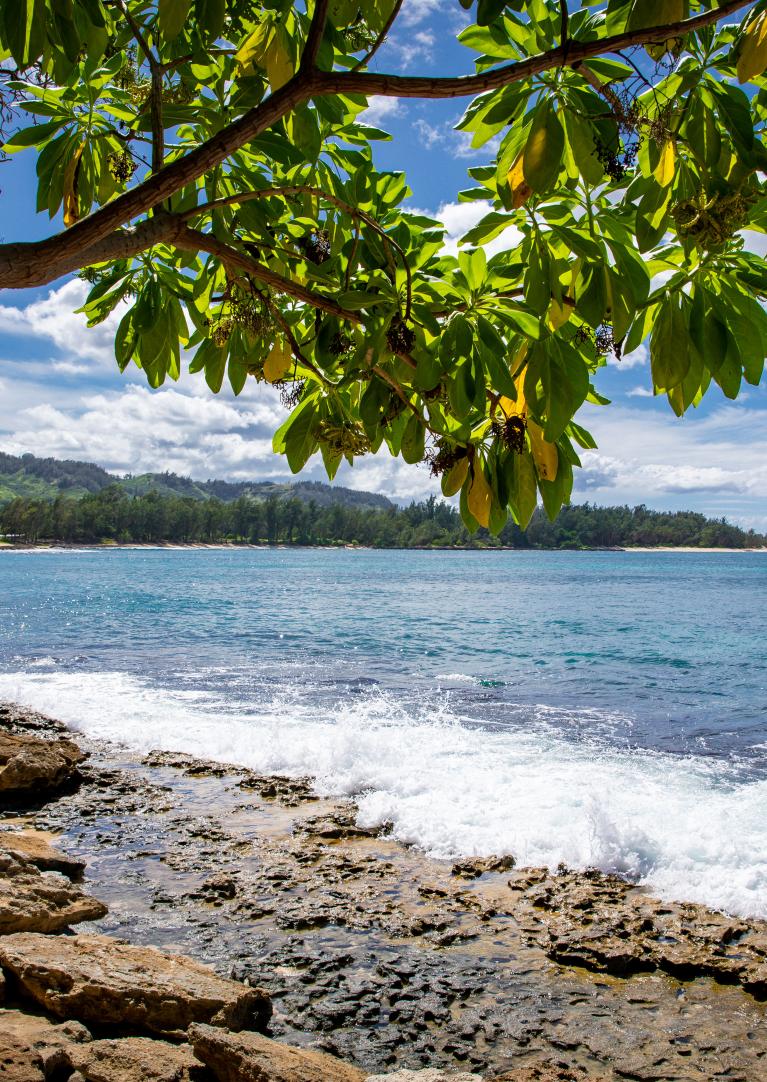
(689, 828)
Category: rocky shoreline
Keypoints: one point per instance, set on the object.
(235, 926)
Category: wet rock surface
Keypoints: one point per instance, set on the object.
(30, 765)
(96, 978)
(35, 847)
(392, 961)
(35, 901)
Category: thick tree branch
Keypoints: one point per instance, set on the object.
(314, 37)
(31, 264)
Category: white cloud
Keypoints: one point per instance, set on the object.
(638, 358)
(640, 392)
(455, 143)
(54, 318)
(459, 218)
(380, 109)
(715, 462)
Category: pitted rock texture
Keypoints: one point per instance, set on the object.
(605, 924)
(248, 1057)
(137, 1059)
(34, 846)
(431, 1074)
(35, 901)
(32, 1048)
(30, 766)
(375, 953)
(96, 978)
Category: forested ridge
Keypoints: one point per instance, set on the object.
(113, 515)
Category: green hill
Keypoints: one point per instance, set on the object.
(48, 478)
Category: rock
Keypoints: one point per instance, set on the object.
(431, 1074)
(473, 867)
(34, 1047)
(95, 978)
(34, 846)
(29, 765)
(548, 1072)
(35, 901)
(247, 1057)
(136, 1059)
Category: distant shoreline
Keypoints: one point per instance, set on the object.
(63, 546)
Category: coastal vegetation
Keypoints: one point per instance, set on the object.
(112, 515)
(213, 164)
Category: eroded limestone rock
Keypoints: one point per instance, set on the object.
(137, 1059)
(248, 1057)
(33, 1048)
(35, 901)
(95, 978)
(29, 765)
(431, 1074)
(34, 846)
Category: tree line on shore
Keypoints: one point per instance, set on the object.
(113, 516)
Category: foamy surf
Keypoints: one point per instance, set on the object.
(684, 826)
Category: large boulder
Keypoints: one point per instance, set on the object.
(248, 1057)
(96, 978)
(32, 1048)
(31, 766)
(34, 846)
(35, 901)
(136, 1059)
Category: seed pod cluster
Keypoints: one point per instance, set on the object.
(316, 246)
(510, 431)
(290, 393)
(711, 222)
(347, 438)
(443, 456)
(400, 338)
(340, 344)
(121, 165)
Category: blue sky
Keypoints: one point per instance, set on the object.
(61, 393)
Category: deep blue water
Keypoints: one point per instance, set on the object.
(605, 708)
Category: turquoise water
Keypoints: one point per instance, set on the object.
(598, 708)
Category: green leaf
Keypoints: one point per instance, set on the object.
(669, 345)
(542, 158)
(172, 15)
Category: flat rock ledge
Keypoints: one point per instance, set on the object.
(34, 846)
(35, 901)
(30, 766)
(97, 979)
(248, 1057)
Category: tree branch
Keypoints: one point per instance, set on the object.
(41, 261)
(380, 39)
(314, 37)
(155, 94)
(191, 240)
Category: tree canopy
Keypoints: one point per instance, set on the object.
(215, 175)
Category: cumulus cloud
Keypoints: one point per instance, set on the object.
(715, 462)
(457, 144)
(380, 110)
(54, 318)
(459, 218)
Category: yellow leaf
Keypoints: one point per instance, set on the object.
(278, 66)
(453, 480)
(252, 52)
(71, 173)
(278, 363)
(515, 406)
(545, 454)
(558, 314)
(479, 496)
(520, 190)
(753, 54)
(664, 170)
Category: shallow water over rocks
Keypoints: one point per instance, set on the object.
(392, 960)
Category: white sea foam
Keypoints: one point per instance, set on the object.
(684, 826)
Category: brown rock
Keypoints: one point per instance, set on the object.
(136, 1059)
(35, 847)
(35, 901)
(32, 1048)
(429, 1074)
(247, 1057)
(29, 765)
(95, 978)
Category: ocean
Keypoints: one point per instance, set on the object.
(599, 709)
